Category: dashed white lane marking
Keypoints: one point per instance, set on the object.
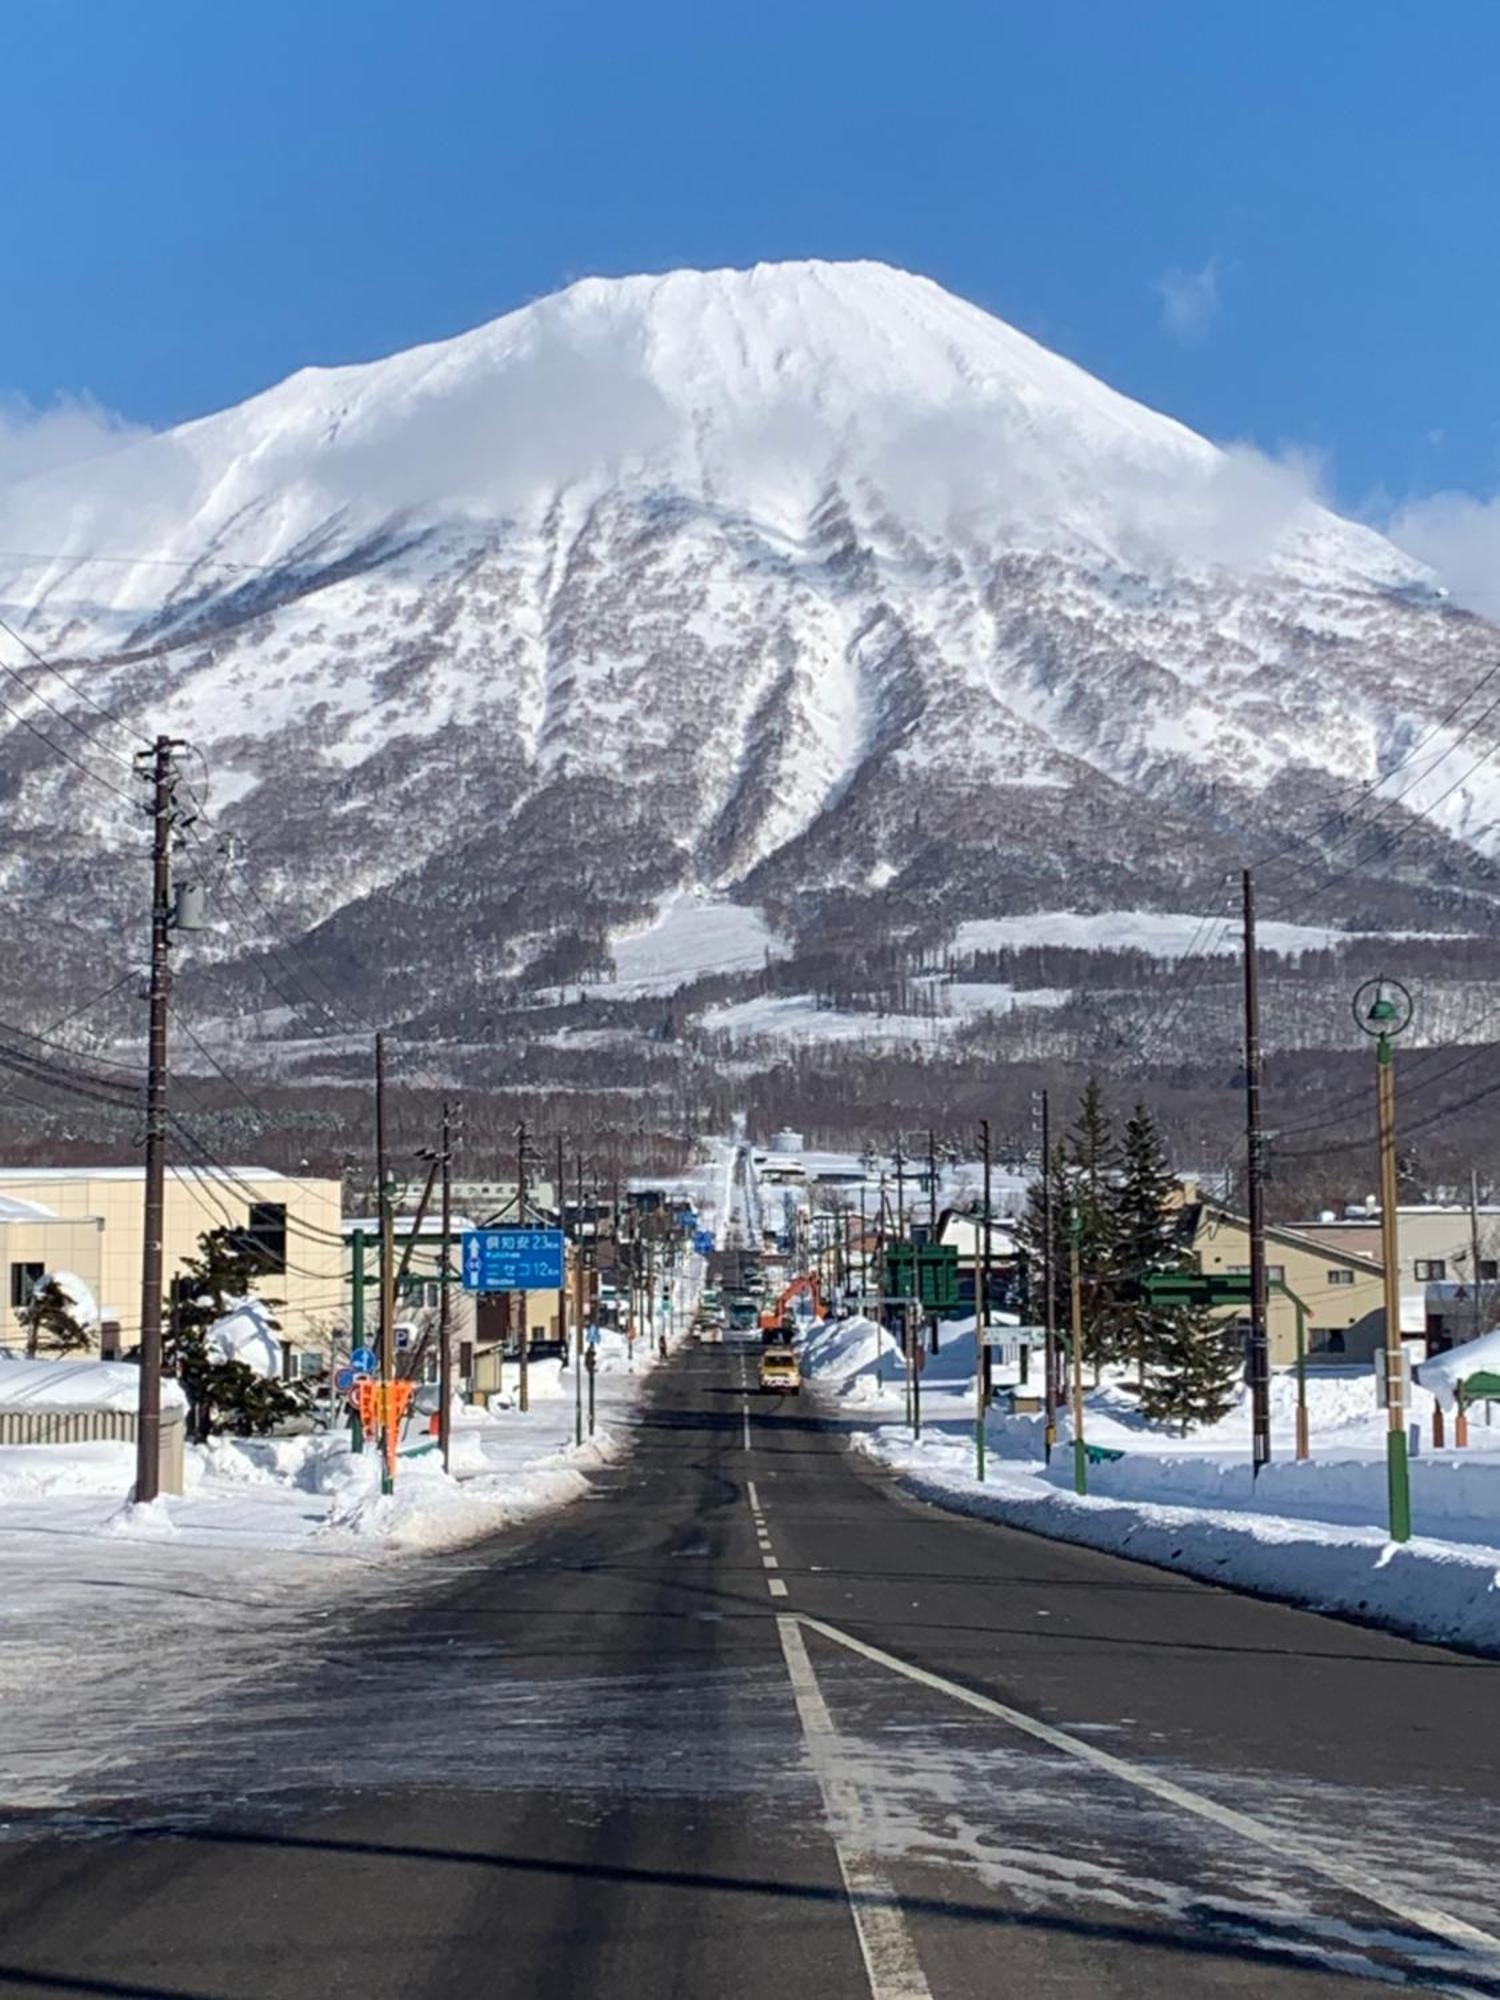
(770, 1562)
(745, 1419)
(776, 1587)
(754, 1496)
(891, 1963)
(1280, 1840)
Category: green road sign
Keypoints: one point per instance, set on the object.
(1192, 1288)
(928, 1273)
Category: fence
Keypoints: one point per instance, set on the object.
(65, 1426)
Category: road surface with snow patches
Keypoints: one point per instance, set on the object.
(751, 1722)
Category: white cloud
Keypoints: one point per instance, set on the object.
(1459, 537)
(1189, 300)
(75, 427)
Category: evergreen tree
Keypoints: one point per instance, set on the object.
(1192, 1369)
(1146, 1239)
(52, 1326)
(222, 1395)
(1092, 1165)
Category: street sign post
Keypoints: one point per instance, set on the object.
(512, 1260)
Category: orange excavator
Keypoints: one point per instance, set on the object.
(774, 1316)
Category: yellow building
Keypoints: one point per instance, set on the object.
(1342, 1290)
(89, 1222)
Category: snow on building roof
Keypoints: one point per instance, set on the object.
(78, 1385)
(14, 1210)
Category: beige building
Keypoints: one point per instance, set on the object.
(90, 1224)
(1435, 1245)
(1342, 1290)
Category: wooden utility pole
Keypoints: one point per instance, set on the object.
(524, 1394)
(1049, 1302)
(387, 1279)
(163, 780)
(1075, 1301)
(579, 1309)
(445, 1287)
(560, 1195)
(1476, 1312)
(1260, 1358)
(982, 1308)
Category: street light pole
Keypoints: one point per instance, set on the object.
(1384, 1016)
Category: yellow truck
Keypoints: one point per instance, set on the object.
(779, 1371)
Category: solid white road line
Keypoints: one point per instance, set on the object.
(891, 1963)
(745, 1417)
(1288, 1846)
(776, 1587)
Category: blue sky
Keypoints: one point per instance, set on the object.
(1277, 221)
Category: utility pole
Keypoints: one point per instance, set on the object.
(1476, 1310)
(932, 1186)
(982, 1309)
(445, 1287)
(578, 1304)
(1049, 1303)
(1385, 1017)
(1075, 1299)
(560, 1191)
(1260, 1358)
(162, 776)
(520, 1297)
(387, 1280)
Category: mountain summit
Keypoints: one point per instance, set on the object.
(810, 588)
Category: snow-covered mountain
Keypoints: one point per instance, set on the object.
(809, 588)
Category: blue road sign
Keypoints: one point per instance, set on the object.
(345, 1380)
(703, 1243)
(512, 1260)
(364, 1361)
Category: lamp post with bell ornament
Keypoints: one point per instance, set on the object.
(1383, 1008)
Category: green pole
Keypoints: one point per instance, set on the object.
(356, 1329)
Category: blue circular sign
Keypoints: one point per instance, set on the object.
(363, 1360)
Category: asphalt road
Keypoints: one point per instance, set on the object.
(751, 1724)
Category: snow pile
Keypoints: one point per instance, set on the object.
(78, 1385)
(29, 1471)
(431, 1509)
(851, 1357)
(1441, 1376)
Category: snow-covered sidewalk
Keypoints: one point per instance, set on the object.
(1308, 1533)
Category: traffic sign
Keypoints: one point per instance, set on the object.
(364, 1361)
(512, 1260)
(1193, 1288)
(927, 1272)
(346, 1378)
(703, 1242)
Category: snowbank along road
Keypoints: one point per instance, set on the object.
(758, 1724)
